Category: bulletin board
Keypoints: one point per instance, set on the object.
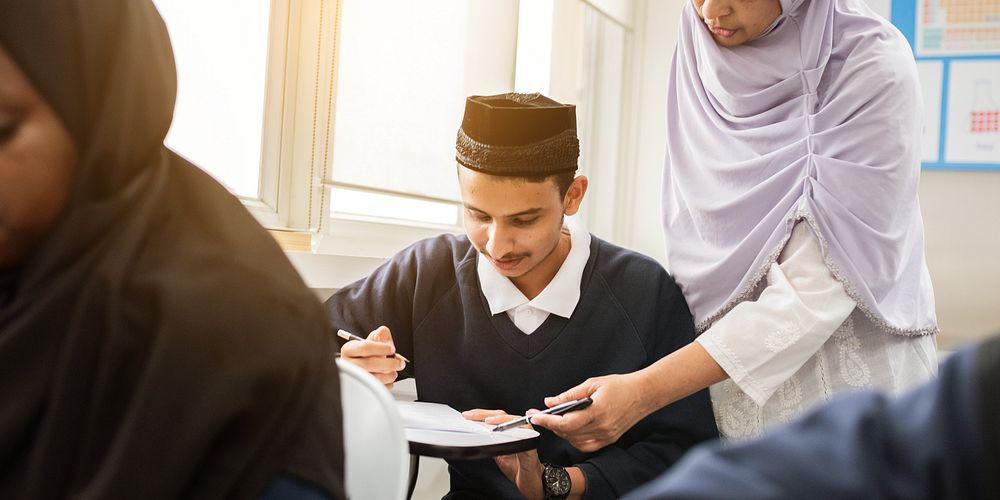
(957, 47)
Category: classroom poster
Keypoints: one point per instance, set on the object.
(974, 112)
(957, 27)
(957, 47)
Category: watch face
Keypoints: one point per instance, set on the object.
(556, 481)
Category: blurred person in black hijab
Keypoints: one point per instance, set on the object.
(154, 341)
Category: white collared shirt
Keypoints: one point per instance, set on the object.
(559, 297)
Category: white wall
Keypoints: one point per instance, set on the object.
(962, 226)
(961, 209)
(883, 7)
(657, 31)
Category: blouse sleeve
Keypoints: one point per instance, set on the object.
(760, 344)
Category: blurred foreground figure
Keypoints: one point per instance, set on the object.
(154, 341)
(939, 441)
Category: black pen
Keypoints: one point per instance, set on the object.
(566, 407)
(346, 335)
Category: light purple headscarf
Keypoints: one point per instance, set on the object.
(817, 120)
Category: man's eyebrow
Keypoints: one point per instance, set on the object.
(530, 211)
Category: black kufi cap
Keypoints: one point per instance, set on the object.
(518, 135)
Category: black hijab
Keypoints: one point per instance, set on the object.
(157, 343)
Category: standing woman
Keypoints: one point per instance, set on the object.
(791, 215)
(154, 341)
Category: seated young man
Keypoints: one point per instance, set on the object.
(524, 305)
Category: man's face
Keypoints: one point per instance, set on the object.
(515, 224)
(735, 22)
(37, 161)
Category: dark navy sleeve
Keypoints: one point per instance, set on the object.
(658, 441)
(383, 298)
(393, 294)
(922, 445)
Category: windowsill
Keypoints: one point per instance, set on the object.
(324, 271)
(378, 239)
(350, 251)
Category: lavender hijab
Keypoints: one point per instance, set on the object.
(816, 120)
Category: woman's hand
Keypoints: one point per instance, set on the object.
(619, 402)
(622, 400)
(523, 469)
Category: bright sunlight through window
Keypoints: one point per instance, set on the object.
(221, 51)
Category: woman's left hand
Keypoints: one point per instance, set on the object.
(622, 400)
(619, 402)
(523, 469)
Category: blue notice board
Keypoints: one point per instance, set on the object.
(957, 47)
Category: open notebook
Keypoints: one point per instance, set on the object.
(442, 425)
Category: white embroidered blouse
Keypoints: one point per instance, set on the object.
(800, 341)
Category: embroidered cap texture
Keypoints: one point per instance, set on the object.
(518, 135)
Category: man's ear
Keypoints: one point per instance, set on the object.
(574, 195)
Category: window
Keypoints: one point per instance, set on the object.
(375, 205)
(338, 117)
(603, 112)
(579, 52)
(404, 70)
(220, 48)
(404, 73)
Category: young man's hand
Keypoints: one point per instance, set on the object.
(523, 469)
(375, 355)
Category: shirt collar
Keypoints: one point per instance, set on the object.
(560, 296)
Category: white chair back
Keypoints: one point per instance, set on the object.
(376, 452)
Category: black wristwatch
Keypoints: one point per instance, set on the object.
(555, 481)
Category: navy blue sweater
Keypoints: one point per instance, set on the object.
(630, 314)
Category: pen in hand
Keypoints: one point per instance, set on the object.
(346, 335)
(566, 407)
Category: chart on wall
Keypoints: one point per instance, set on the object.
(957, 47)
